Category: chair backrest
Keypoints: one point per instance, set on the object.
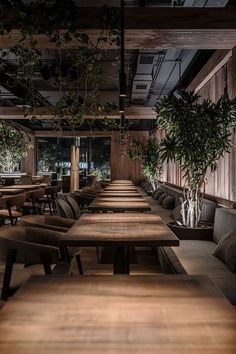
(52, 191)
(64, 209)
(37, 194)
(26, 180)
(28, 249)
(16, 200)
(51, 222)
(74, 206)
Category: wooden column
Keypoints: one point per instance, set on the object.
(74, 172)
(29, 163)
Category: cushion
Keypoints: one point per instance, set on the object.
(226, 250)
(176, 213)
(161, 198)
(225, 221)
(168, 202)
(157, 193)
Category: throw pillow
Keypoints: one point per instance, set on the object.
(168, 202)
(226, 250)
(161, 198)
(176, 213)
(157, 193)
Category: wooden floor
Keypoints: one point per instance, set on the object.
(146, 263)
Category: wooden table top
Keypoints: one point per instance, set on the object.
(122, 181)
(118, 199)
(25, 187)
(164, 314)
(120, 188)
(116, 206)
(123, 230)
(11, 191)
(121, 217)
(126, 194)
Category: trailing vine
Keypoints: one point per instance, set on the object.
(58, 20)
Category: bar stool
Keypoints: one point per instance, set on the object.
(49, 199)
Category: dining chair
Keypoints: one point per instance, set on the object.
(26, 246)
(64, 209)
(26, 180)
(50, 199)
(15, 201)
(32, 204)
(50, 222)
(58, 224)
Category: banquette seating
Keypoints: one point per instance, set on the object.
(214, 256)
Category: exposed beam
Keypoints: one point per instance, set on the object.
(42, 113)
(214, 64)
(211, 28)
(55, 134)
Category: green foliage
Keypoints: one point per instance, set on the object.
(59, 21)
(47, 156)
(198, 135)
(12, 148)
(149, 153)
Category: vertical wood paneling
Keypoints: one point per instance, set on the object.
(222, 182)
(29, 163)
(121, 166)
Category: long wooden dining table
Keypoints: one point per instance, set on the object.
(119, 230)
(164, 314)
(98, 205)
(119, 193)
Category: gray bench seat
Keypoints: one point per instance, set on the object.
(196, 256)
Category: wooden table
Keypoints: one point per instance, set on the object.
(25, 187)
(120, 188)
(118, 206)
(10, 191)
(165, 314)
(126, 194)
(122, 181)
(121, 231)
(119, 199)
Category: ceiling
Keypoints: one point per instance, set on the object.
(151, 74)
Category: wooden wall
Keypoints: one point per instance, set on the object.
(121, 166)
(221, 183)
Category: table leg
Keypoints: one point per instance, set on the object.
(121, 261)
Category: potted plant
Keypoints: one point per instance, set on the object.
(198, 134)
(149, 153)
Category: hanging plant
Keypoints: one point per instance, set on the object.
(198, 135)
(12, 147)
(149, 153)
(58, 20)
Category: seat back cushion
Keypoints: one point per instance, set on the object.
(161, 198)
(157, 193)
(168, 202)
(225, 221)
(226, 250)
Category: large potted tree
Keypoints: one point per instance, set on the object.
(198, 134)
(149, 153)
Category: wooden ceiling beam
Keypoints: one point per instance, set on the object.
(17, 113)
(214, 64)
(195, 28)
